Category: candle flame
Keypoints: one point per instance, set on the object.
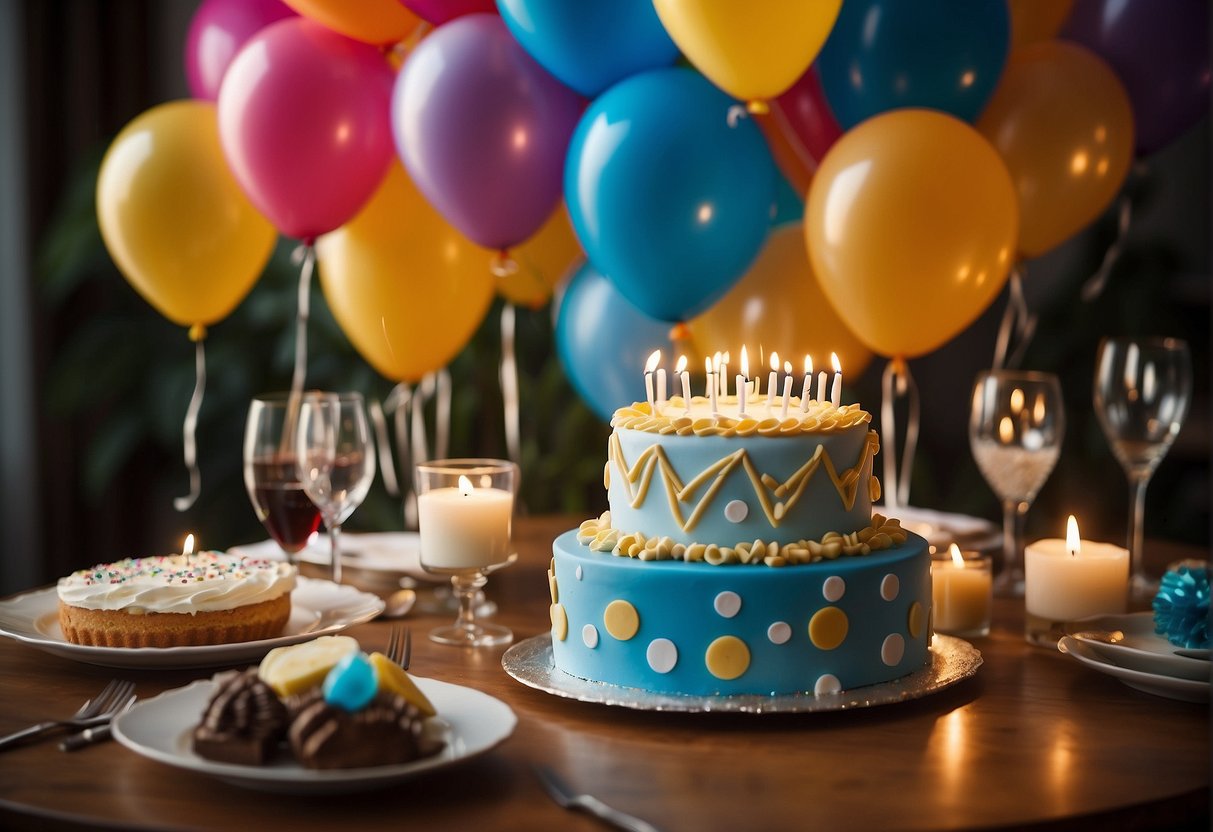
(1016, 401)
(654, 360)
(1006, 430)
(465, 486)
(954, 551)
(681, 365)
(1038, 410)
(187, 548)
(707, 365)
(834, 361)
(1073, 542)
(808, 365)
(787, 367)
(745, 363)
(774, 361)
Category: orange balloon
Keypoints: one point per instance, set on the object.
(778, 305)
(542, 261)
(1064, 126)
(1034, 20)
(911, 223)
(370, 21)
(406, 288)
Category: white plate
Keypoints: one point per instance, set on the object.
(1130, 641)
(470, 723)
(941, 528)
(317, 608)
(1186, 690)
(393, 553)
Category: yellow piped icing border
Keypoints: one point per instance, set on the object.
(821, 417)
(883, 533)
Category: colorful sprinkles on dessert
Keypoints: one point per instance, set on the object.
(202, 566)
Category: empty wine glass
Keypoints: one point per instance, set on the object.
(335, 459)
(1142, 389)
(1016, 428)
(272, 477)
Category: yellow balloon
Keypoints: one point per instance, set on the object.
(779, 305)
(911, 223)
(174, 218)
(1034, 20)
(542, 261)
(1064, 126)
(370, 21)
(752, 51)
(407, 289)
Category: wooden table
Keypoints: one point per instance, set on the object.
(1033, 738)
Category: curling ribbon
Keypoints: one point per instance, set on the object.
(897, 382)
(304, 254)
(189, 427)
(1095, 284)
(509, 385)
(387, 466)
(1018, 324)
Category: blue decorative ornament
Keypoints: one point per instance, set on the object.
(1181, 608)
(351, 684)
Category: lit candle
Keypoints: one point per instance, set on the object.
(464, 527)
(711, 374)
(787, 388)
(961, 594)
(685, 378)
(808, 383)
(743, 383)
(187, 548)
(660, 387)
(1070, 579)
(649, 367)
(723, 372)
(821, 386)
(773, 379)
(836, 391)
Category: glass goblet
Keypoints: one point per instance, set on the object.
(465, 511)
(271, 476)
(1142, 389)
(1016, 428)
(335, 459)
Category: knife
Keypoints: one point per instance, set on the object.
(88, 736)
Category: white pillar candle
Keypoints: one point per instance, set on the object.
(1073, 578)
(836, 391)
(961, 594)
(808, 383)
(649, 367)
(787, 388)
(683, 376)
(773, 379)
(464, 527)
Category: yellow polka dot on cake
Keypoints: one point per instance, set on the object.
(560, 622)
(621, 620)
(917, 620)
(828, 628)
(727, 657)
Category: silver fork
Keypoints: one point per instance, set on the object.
(568, 799)
(400, 645)
(96, 734)
(93, 712)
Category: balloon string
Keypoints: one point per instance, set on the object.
(398, 403)
(1095, 284)
(509, 385)
(306, 253)
(189, 430)
(387, 466)
(442, 416)
(736, 113)
(1018, 324)
(897, 382)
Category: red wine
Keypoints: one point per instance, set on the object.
(282, 506)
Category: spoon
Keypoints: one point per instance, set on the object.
(399, 603)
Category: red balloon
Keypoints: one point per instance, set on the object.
(800, 129)
(438, 12)
(217, 31)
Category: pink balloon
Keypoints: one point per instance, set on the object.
(217, 31)
(438, 12)
(303, 121)
(808, 117)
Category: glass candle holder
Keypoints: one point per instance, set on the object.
(962, 593)
(465, 509)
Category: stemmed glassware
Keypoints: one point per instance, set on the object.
(1142, 389)
(465, 513)
(272, 478)
(1016, 428)
(334, 458)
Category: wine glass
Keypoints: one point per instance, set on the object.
(1142, 389)
(1016, 428)
(334, 458)
(271, 476)
(465, 510)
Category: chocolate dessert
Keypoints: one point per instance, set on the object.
(388, 730)
(243, 723)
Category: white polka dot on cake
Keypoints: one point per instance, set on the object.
(893, 649)
(579, 573)
(827, 685)
(727, 604)
(736, 511)
(833, 588)
(889, 587)
(589, 635)
(779, 632)
(662, 655)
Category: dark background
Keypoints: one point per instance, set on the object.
(94, 384)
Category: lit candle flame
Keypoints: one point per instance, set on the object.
(1016, 401)
(745, 363)
(716, 359)
(682, 364)
(774, 361)
(835, 362)
(187, 548)
(808, 365)
(465, 486)
(1073, 542)
(787, 367)
(654, 360)
(954, 551)
(707, 365)
(1006, 430)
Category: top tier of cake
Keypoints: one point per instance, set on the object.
(726, 476)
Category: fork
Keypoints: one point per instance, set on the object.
(400, 645)
(96, 734)
(568, 799)
(95, 711)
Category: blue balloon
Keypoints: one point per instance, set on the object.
(788, 205)
(944, 54)
(603, 342)
(590, 44)
(668, 200)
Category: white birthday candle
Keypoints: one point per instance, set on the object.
(773, 379)
(649, 367)
(787, 388)
(808, 383)
(836, 392)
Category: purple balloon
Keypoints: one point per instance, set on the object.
(483, 130)
(438, 12)
(1160, 52)
(217, 31)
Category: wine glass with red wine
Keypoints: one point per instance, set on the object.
(271, 475)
